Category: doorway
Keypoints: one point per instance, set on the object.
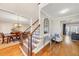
(70, 32)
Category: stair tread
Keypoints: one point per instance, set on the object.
(33, 45)
(28, 47)
(34, 41)
(37, 40)
(35, 36)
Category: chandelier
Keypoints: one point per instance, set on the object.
(17, 25)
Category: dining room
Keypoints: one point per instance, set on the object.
(10, 33)
(11, 28)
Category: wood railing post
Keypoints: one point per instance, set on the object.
(21, 39)
(29, 37)
(30, 46)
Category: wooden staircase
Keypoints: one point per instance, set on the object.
(30, 39)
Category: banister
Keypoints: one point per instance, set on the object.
(30, 38)
(35, 29)
(32, 24)
(35, 22)
(30, 52)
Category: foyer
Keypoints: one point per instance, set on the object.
(56, 49)
(39, 29)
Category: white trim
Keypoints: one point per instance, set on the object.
(35, 36)
(22, 51)
(37, 50)
(49, 16)
(32, 43)
(65, 16)
(42, 5)
(44, 12)
(26, 45)
(36, 40)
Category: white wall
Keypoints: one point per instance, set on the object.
(6, 27)
(43, 42)
(56, 24)
(72, 28)
(56, 28)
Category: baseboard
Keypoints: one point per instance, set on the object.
(36, 51)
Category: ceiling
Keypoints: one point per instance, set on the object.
(61, 9)
(28, 11)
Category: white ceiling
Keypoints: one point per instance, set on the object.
(29, 11)
(54, 9)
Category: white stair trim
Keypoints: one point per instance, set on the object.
(25, 45)
(22, 51)
(32, 43)
(37, 50)
(36, 40)
(36, 36)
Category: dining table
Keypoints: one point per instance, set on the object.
(10, 37)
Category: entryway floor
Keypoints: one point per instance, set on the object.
(66, 48)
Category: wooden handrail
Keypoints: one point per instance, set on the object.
(35, 29)
(30, 38)
(30, 52)
(32, 24)
(35, 22)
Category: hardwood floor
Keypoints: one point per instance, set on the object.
(11, 51)
(68, 48)
(5, 45)
(60, 49)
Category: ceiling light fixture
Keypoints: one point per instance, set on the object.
(17, 25)
(64, 11)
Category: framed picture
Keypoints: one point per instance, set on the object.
(46, 25)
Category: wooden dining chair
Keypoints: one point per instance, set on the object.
(15, 36)
(1, 37)
(4, 38)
